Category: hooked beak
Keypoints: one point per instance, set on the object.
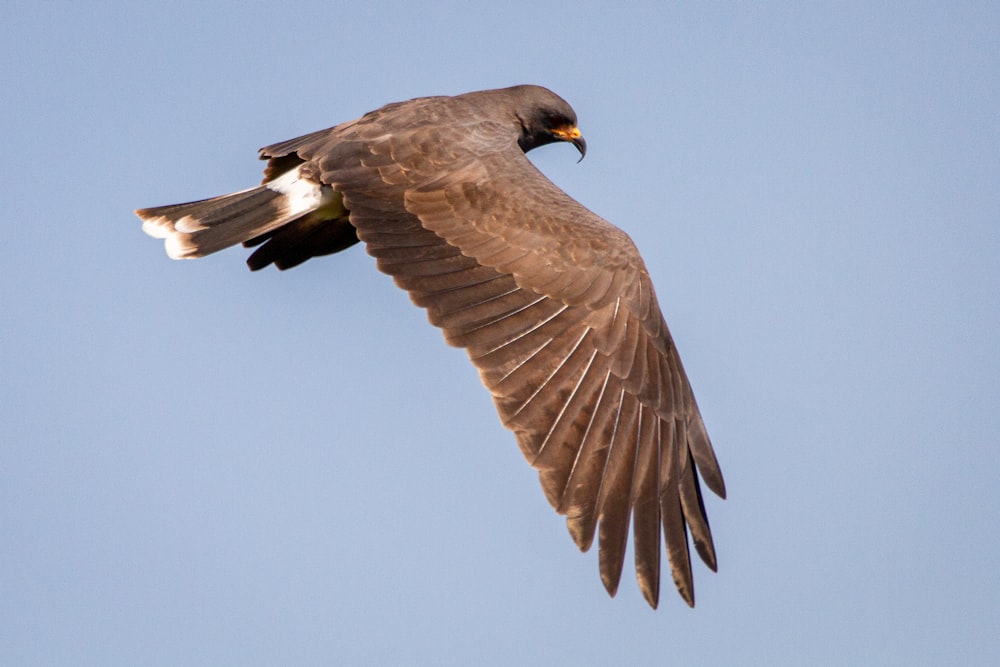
(581, 146)
(572, 135)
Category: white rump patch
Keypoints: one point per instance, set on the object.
(301, 195)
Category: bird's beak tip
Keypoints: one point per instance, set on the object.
(571, 134)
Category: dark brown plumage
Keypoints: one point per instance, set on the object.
(553, 304)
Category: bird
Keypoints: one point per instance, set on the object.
(553, 304)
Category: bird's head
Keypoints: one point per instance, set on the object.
(545, 118)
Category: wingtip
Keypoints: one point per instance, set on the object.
(686, 590)
(717, 484)
(651, 595)
(610, 583)
(707, 552)
(582, 532)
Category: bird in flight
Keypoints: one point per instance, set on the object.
(553, 304)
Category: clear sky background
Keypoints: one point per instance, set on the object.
(204, 466)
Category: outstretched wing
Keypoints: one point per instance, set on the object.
(556, 310)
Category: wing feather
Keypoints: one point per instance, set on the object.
(672, 517)
(646, 508)
(615, 499)
(556, 310)
(581, 498)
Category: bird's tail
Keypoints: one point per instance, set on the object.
(198, 228)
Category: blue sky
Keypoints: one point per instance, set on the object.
(200, 465)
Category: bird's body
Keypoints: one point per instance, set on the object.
(553, 304)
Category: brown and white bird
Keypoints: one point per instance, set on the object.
(552, 303)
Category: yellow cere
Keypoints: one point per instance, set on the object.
(567, 132)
